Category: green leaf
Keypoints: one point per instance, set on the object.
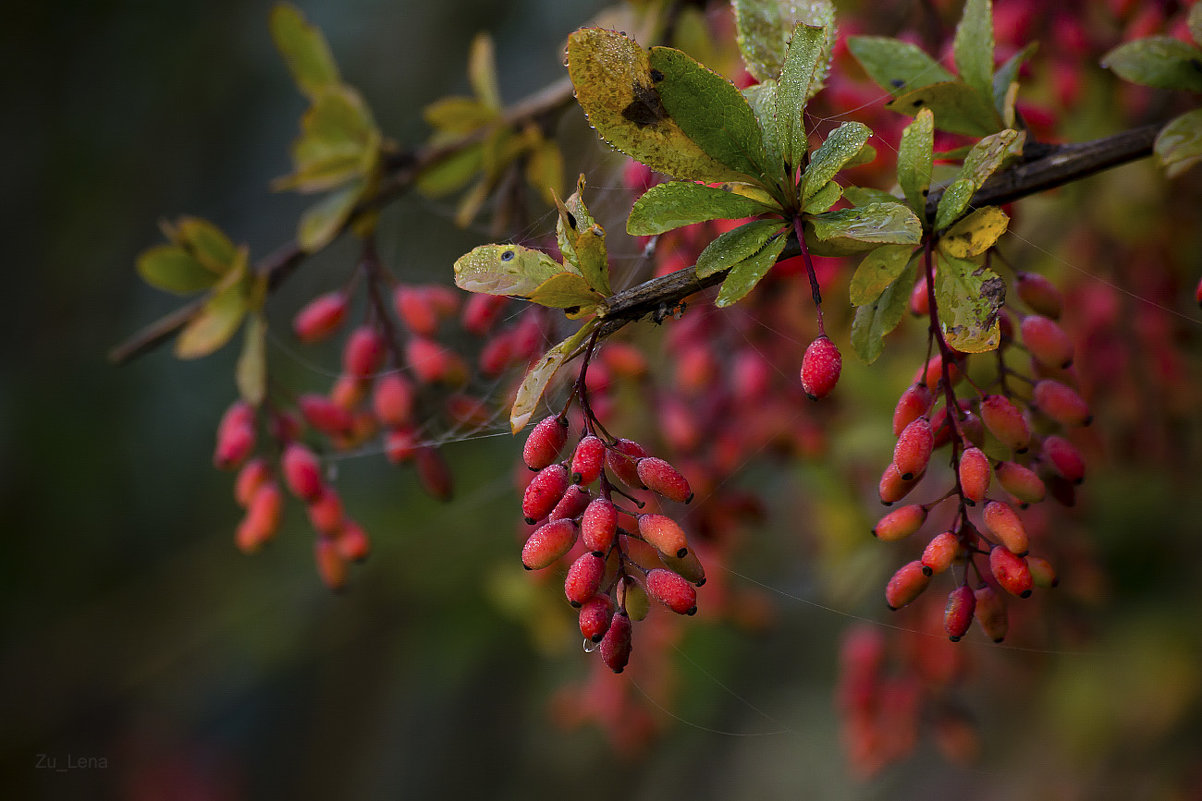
(452, 173)
(958, 108)
(565, 290)
(482, 72)
(304, 49)
(877, 271)
(339, 140)
(710, 110)
(762, 99)
(540, 374)
(843, 144)
(973, 46)
(765, 27)
(582, 241)
(804, 53)
(884, 223)
(915, 157)
(250, 374)
(218, 319)
(1004, 77)
(824, 198)
(1160, 61)
(954, 201)
(969, 298)
(873, 321)
(744, 275)
(544, 169)
(735, 245)
(896, 66)
(323, 221)
(975, 234)
(1179, 144)
(672, 205)
(458, 116)
(863, 195)
(171, 268)
(205, 242)
(614, 87)
(504, 270)
(981, 162)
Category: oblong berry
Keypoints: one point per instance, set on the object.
(392, 400)
(1021, 482)
(352, 541)
(324, 415)
(1005, 525)
(1064, 458)
(545, 442)
(331, 566)
(958, 613)
(688, 567)
(594, 618)
(913, 403)
(320, 317)
(262, 518)
(1042, 572)
(481, 312)
(587, 460)
(820, 368)
(432, 363)
(1006, 422)
(900, 523)
(632, 598)
(1040, 294)
(622, 459)
(400, 444)
(253, 475)
(572, 504)
(302, 472)
(672, 590)
(892, 487)
(433, 473)
(544, 491)
(413, 307)
(1011, 572)
(913, 448)
(1046, 341)
(662, 478)
(615, 644)
(598, 525)
(1061, 403)
(940, 552)
(326, 511)
(364, 352)
(906, 585)
(990, 613)
(663, 533)
(974, 474)
(547, 543)
(584, 578)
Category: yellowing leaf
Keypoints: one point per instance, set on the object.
(339, 140)
(304, 49)
(504, 270)
(482, 72)
(565, 290)
(976, 233)
(969, 298)
(171, 268)
(877, 271)
(250, 374)
(206, 242)
(540, 374)
(219, 317)
(582, 241)
(458, 115)
(614, 85)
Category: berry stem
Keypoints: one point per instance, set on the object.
(809, 263)
(375, 273)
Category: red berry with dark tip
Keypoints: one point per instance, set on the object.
(958, 614)
(1005, 525)
(662, 478)
(544, 491)
(672, 590)
(302, 472)
(1040, 294)
(1061, 403)
(1064, 458)
(974, 474)
(364, 352)
(545, 442)
(598, 525)
(892, 487)
(615, 644)
(1006, 422)
(940, 552)
(584, 578)
(392, 400)
(900, 523)
(1046, 341)
(572, 504)
(820, 368)
(1011, 571)
(587, 460)
(913, 448)
(622, 458)
(906, 585)
(913, 403)
(595, 615)
(663, 534)
(549, 542)
(320, 317)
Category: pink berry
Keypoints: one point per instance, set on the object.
(660, 477)
(672, 590)
(820, 368)
(364, 352)
(548, 543)
(595, 615)
(544, 491)
(584, 578)
(598, 525)
(663, 533)
(1005, 525)
(321, 317)
(587, 460)
(900, 523)
(974, 474)
(545, 442)
(616, 645)
(302, 472)
(958, 614)
(1046, 341)
(1011, 571)
(392, 400)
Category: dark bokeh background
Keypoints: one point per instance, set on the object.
(136, 635)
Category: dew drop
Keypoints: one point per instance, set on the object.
(590, 646)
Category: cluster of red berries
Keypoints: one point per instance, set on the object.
(615, 568)
(1010, 431)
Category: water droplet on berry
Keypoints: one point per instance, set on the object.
(590, 646)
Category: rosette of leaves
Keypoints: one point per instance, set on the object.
(1167, 63)
(578, 286)
(738, 154)
(976, 102)
(498, 146)
(200, 258)
(969, 295)
(339, 147)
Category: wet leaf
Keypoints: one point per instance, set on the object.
(667, 206)
(874, 320)
(504, 270)
(744, 275)
(762, 99)
(582, 241)
(864, 195)
(614, 86)
(915, 157)
(802, 58)
(985, 157)
(1160, 61)
(958, 108)
(886, 223)
(1005, 76)
(975, 234)
(1179, 144)
(973, 46)
(765, 27)
(969, 298)
(898, 67)
(304, 49)
(565, 290)
(877, 271)
(735, 245)
(843, 144)
(540, 374)
(824, 198)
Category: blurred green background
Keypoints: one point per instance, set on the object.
(146, 658)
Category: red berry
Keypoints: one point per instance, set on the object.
(958, 614)
(1061, 403)
(262, 518)
(302, 472)
(326, 512)
(595, 615)
(432, 363)
(1040, 294)
(913, 448)
(662, 533)
(1065, 459)
(892, 487)
(545, 442)
(672, 590)
(1004, 523)
(906, 585)
(253, 475)
(622, 458)
(587, 460)
(1021, 482)
(324, 415)
(1046, 341)
(900, 523)
(1011, 571)
(320, 317)
(920, 301)
(415, 310)
(820, 368)
(481, 311)
(352, 541)
(598, 525)
(349, 391)
(392, 400)
(584, 578)
(331, 566)
(544, 491)
(913, 403)
(548, 543)
(990, 613)
(974, 474)
(615, 645)
(1005, 421)
(940, 552)
(572, 504)
(364, 352)
(400, 444)
(433, 473)
(664, 479)
(234, 444)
